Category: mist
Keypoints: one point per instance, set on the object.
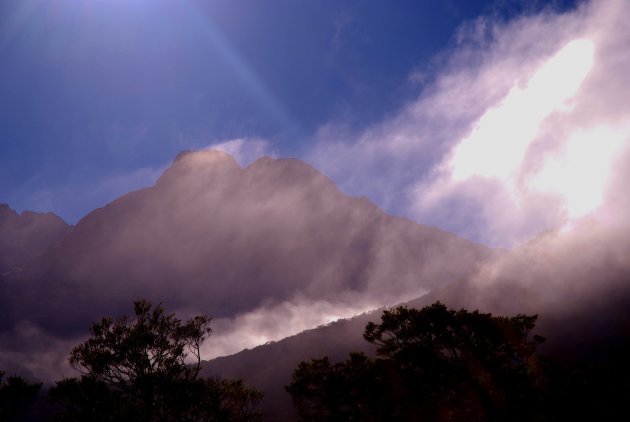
(520, 130)
(271, 247)
(267, 250)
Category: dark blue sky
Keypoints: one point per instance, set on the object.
(91, 91)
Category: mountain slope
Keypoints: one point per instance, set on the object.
(211, 237)
(269, 367)
(221, 239)
(26, 235)
(577, 282)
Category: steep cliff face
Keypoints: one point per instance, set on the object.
(26, 235)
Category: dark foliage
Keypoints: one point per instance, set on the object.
(434, 364)
(341, 391)
(139, 369)
(597, 388)
(16, 395)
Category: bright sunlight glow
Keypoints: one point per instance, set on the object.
(580, 173)
(497, 144)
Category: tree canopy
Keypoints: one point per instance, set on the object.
(16, 395)
(147, 368)
(433, 364)
(153, 345)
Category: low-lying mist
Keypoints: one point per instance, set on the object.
(267, 251)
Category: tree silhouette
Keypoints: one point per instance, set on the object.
(344, 391)
(16, 395)
(147, 368)
(433, 364)
(470, 365)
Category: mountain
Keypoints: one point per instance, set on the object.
(212, 237)
(26, 235)
(233, 239)
(577, 282)
(269, 367)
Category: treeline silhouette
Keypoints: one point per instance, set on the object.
(143, 368)
(438, 364)
(433, 364)
(16, 395)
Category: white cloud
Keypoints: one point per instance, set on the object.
(498, 142)
(581, 172)
(244, 150)
(516, 134)
(275, 322)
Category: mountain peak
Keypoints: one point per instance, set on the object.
(6, 211)
(287, 171)
(200, 165)
(243, 236)
(206, 156)
(27, 234)
(235, 241)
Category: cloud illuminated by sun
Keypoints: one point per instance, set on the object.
(498, 142)
(581, 171)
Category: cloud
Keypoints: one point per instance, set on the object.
(36, 353)
(507, 129)
(275, 322)
(268, 250)
(266, 272)
(244, 150)
(515, 134)
(575, 279)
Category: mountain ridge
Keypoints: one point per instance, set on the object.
(575, 282)
(215, 238)
(27, 234)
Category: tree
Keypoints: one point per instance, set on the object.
(471, 365)
(147, 368)
(16, 395)
(343, 391)
(433, 364)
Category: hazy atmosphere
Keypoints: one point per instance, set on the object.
(282, 165)
(407, 105)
